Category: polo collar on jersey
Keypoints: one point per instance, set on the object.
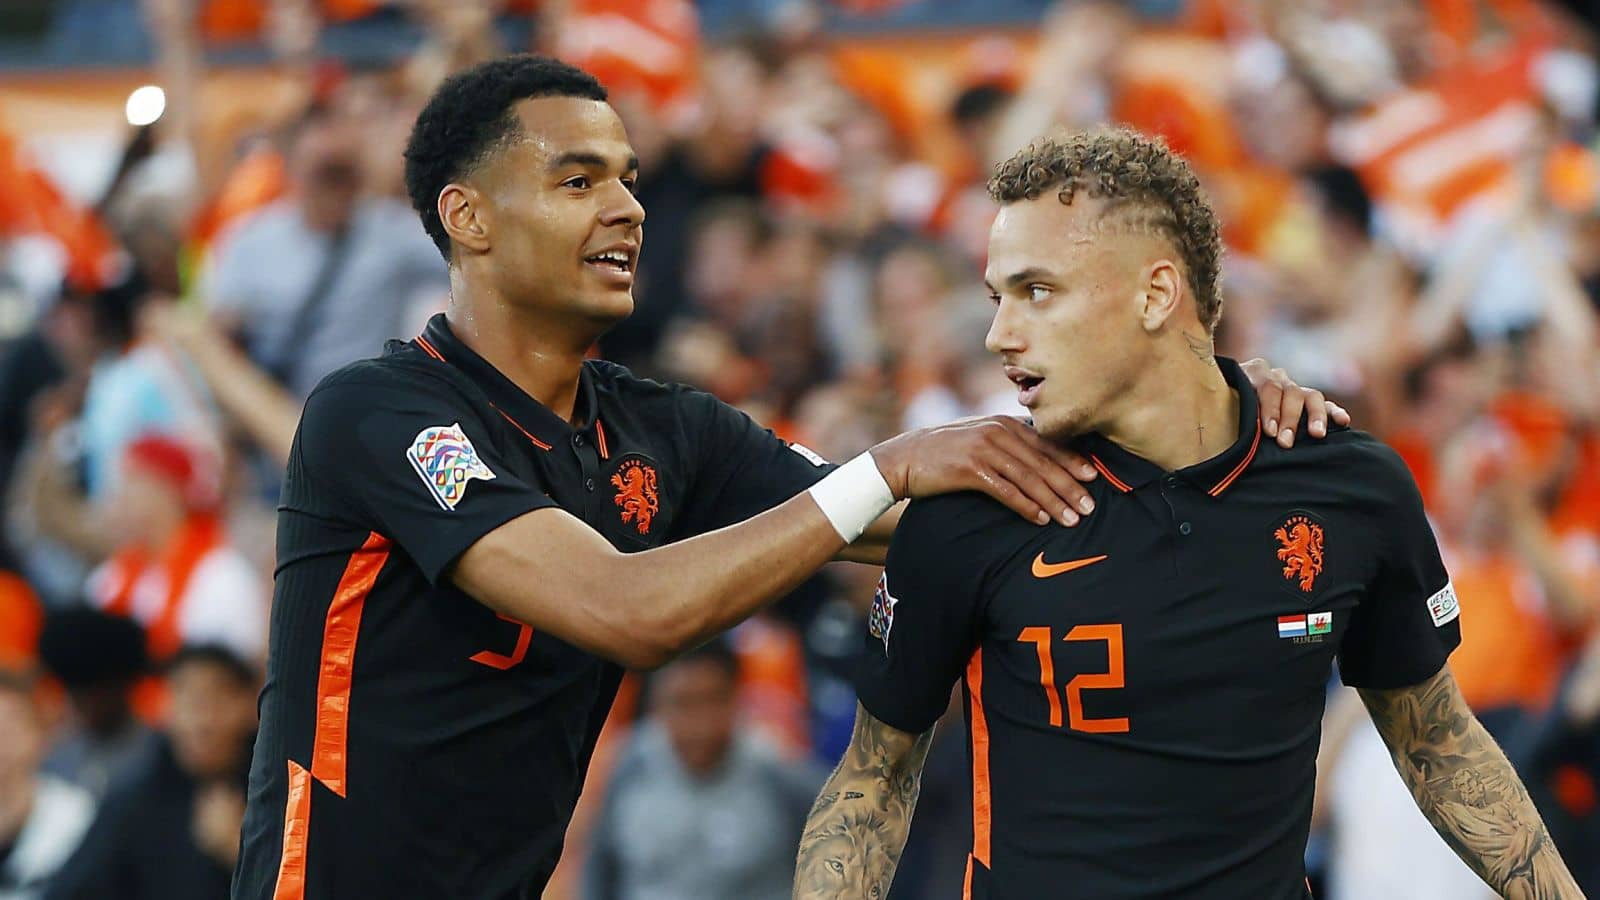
(1125, 471)
(532, 418)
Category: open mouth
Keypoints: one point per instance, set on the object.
(1027, 384)
(617, 263)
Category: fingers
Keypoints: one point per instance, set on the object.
(1270, 393)
(1338, 414)
(1316, 413)
(1047, 476)
(1075, 465)
(1001, 488)
(1289, 409)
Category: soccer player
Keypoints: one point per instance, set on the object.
(1144, 692)
(479, 530)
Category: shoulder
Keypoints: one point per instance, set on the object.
(1348, 461)
(969, 518)
(404, 374)
(1346, 450)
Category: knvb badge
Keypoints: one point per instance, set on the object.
(1305, 629)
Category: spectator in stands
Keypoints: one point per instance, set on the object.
(325, 276)
(98, 659)
(135, 388)
(1560, 762)
(174, 570)
(735, 808)
(170, 829)
(42, 818)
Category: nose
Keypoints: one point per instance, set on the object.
(1005, 334)
(622, 208)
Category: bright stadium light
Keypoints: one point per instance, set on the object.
(145, 105)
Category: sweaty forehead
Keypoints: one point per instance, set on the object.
(553, 126)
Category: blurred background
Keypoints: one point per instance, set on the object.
(202, 213)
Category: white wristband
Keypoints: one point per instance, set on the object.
(853, 496)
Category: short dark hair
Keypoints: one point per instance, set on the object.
(470, 116)
(1137, 175)
(84, 647)
(978, 102)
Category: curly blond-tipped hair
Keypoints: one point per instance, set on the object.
(1149, 188)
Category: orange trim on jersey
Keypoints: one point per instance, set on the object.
(296, 830)
(1115, 481)
(429, 348)
(1243, 464)
(518, 426)
(600, 435)
(966, 885)
(981, 814)
(336, 668)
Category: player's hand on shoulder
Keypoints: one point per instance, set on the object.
(1282, 402)
(999, 456)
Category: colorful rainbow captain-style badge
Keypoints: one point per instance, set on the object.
(446, 461)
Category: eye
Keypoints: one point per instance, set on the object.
(1037, 292)
(578, 182)
(632, 184)
(994, 298)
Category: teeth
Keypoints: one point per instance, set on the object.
(613, 256)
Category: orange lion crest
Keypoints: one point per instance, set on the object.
(636, 493)
(1300, 550)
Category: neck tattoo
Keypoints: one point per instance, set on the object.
(1200, 347)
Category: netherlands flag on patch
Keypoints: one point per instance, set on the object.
(1291, 626)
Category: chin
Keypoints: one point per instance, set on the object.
(1059, 424)
(610, 308)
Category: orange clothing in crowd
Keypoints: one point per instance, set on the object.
(30, 203)
(1510, 653)
(21, 618)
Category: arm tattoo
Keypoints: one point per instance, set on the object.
(858, 826)
(1462, 782)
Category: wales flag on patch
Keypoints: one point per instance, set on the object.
(1319, 623)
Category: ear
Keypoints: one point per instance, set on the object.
(466, 216)
(1163, 292)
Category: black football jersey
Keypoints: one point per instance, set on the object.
(1144, 692)
(414, 743)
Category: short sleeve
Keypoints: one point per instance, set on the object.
(1408, 622)
(925, 617)
(413, 461)
(741, 468)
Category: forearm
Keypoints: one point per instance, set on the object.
(857, 829)
(642, 609)
(1468, 791)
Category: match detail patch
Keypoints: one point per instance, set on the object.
(1443, 606)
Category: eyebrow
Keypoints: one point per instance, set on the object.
(1032, 273)
(591, 160)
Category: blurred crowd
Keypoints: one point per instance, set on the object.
(1410, 191)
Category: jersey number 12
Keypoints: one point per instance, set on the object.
(1088, 681)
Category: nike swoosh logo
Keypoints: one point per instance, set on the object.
(1042, 569)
